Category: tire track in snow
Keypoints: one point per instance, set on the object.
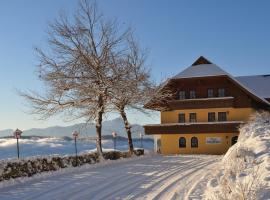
(170, 190)
(157, 177)
(102, 194)
(61, 188)
(66, 177)
(200, 184)
(124, 189)
(163, 186)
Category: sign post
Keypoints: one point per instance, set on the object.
(17, 134)
(75, 134)
(114, 134)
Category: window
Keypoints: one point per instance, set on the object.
(211, 116)
(192, 117)
(221, 92)
(194, 142)
(181, 118)
(192, 94)
(182, 142)
(182, 95)
(222, 116)
(210, 93)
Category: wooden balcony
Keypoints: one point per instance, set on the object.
(217, 102)
(191, 128)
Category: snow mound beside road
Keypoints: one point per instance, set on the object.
(244, 172)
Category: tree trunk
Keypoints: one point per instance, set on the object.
(128, 130)
(99, 126)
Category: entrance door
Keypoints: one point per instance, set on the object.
(234, 140)
(158, 146)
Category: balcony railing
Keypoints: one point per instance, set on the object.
(216, 102)
(191, 128)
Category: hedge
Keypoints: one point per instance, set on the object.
(30, 166)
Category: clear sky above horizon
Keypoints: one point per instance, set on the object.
(233, 34)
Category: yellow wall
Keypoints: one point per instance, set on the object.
(233, 114)
(170, 143)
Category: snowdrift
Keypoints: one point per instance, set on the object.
(244, 172)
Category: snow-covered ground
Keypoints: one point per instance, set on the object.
(52, 145)
(243, 173)
(147, 177)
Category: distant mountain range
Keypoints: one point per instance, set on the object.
(85, 130)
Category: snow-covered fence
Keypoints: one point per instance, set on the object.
(34, 165)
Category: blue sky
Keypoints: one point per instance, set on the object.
(233, 34)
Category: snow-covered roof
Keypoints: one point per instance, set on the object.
(201, 70)
(259, 84)
(257, 87)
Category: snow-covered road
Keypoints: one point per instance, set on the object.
(149, 177)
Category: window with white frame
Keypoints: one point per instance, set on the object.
(192, 117)
(210, 93)
(221, 92)
(182, 94)
(192, 94)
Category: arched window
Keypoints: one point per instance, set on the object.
(234, 140)
(182, 142)
(194, 142)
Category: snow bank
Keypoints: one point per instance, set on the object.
(244, 172)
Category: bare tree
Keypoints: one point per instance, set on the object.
(79, 66)
(161, 95)
(134, 88)
(131, 89)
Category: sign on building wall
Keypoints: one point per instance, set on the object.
(213, 140)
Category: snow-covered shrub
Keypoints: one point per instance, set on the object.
(244, 173)
(33, 165)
